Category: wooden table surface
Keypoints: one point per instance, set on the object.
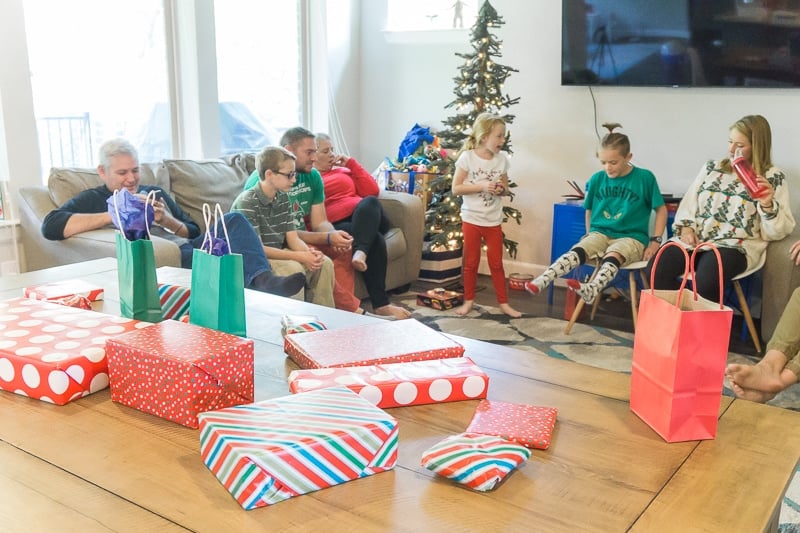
(94, 465)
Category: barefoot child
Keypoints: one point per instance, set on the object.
(618, 202)
(481, 178)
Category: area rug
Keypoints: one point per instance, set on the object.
(586, 344)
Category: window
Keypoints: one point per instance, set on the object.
(99, 71)
(415, 15)
(258, 71)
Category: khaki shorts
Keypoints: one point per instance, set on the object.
(597, 245)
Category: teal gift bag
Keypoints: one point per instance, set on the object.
(136, 261)
(217, 297)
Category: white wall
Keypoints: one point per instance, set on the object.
(673, 130)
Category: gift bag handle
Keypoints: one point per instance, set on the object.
(216, 216)
(150, 198)
(688, 268)
(712, 247)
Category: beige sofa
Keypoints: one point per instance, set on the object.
(191, 183)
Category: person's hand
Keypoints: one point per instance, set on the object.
(688, 237)
(769, 193)
(312, 259)
(340, 160)
(650, 251)
(341, 241)
(498, 188)
(794, 253)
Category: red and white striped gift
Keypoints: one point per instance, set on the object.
(400, 384)
(269, 451)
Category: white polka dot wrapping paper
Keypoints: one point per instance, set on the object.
(269, 451)
(400, 384)
(55, 353)
(370, 344)
(529, 425)
(176, 370)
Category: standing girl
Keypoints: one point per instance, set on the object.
(619, 199)
(481, 178)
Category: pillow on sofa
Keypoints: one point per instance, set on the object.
(64, 183)
(212, 181)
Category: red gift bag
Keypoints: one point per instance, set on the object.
(679, 352)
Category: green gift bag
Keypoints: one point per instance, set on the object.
(136, 270)
(217, 297)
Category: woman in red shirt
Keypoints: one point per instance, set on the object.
(351, 203)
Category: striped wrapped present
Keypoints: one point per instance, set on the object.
(269, 451)
(174, 301)
(300, 324)
(478, 461)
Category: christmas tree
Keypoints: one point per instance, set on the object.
(479, 88)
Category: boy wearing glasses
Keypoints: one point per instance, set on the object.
(268, 207)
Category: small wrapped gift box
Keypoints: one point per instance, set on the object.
(63, 289)
(529, 425)
(440, 299)
(400, 384)
(300, 324)
(174, 301)
(478, 461)
(270, 451)
(370, 344)
(54, 353)
(177, 371)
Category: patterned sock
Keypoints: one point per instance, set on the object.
(563, 264)
(589, 291)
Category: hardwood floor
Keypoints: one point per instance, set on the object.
(614, 311)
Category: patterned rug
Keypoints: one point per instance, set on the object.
(586, 344)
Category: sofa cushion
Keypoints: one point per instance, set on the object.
(212, 181)
(65, 183)
(395, 244)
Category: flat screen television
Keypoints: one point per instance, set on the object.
(684, 43)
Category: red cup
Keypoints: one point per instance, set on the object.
(748, 177)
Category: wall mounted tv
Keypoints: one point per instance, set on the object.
(688, 43)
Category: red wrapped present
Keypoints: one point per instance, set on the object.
(269, 451)
(400, 384)
(177, 371)
(63, 289)
(370, 344)
(55, 353)
(529, 425)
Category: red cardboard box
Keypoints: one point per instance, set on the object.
(400, 384)
(55, 353)
(62, 289)
(177, 371)
(370, 344)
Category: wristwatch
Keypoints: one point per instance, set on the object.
(657, 239)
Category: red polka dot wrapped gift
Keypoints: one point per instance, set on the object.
(55, 353)
(529, 425)
(176, 370)
(62, 289)
(401, 384)
(370, 344)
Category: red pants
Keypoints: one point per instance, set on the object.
(344, 279)
(493, 237)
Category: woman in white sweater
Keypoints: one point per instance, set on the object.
(717, 208)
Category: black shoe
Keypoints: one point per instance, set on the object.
(280, 285)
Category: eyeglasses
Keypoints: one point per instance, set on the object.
(291, 175)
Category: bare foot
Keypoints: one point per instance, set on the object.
(762, 381)
(465, 308)
(510, 311)
(359, 261)
(751, 395)
(393, 311)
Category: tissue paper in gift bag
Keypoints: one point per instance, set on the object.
(529, 425)
(176, 370)
(400, 384)
(370, 344)
(478, 461)
(269, 451)
(55, 353)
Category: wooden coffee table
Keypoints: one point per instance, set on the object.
(94, 464)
